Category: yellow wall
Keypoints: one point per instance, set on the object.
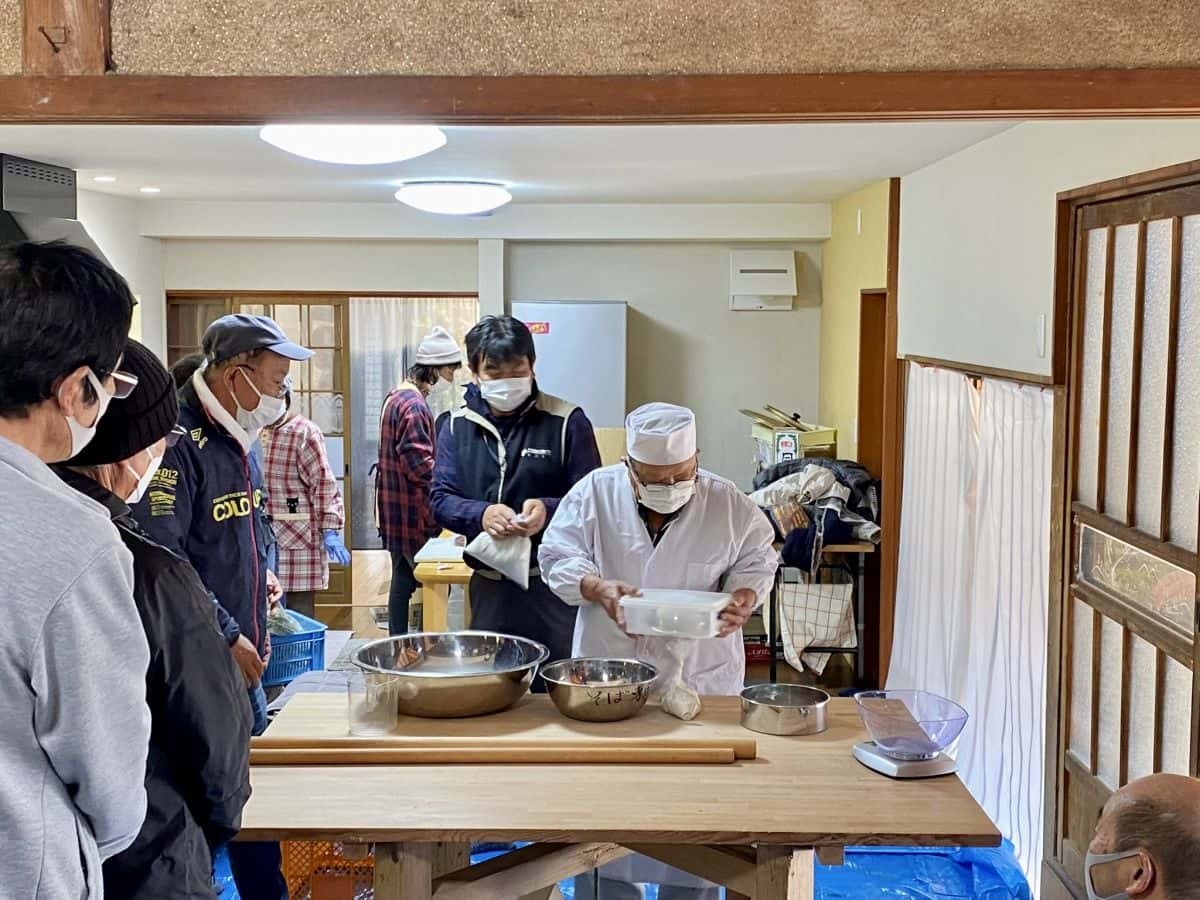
(850, 263)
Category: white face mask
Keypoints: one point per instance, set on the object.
(267, 412)
(1096, 859)
(81, 435)
(666, 498)
(143, 480)
(506, 394)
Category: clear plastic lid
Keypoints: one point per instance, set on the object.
(655, 598)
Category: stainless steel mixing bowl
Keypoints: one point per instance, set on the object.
(599, 690)
(784, 709)
(454, 674)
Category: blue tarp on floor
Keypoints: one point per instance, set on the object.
(921, 873)
(890, 873)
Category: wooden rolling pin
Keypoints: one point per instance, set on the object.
(514, 755)
(743, 748)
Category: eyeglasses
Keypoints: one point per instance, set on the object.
(123, 384)
(175, 435)
(691, 476)
(275, 393)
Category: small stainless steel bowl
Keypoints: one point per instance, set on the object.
(454, 674)
(599, 690)
(784, 709)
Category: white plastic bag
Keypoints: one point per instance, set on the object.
(509, 556)
(670, 655)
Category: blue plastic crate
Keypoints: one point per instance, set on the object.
(294, 654)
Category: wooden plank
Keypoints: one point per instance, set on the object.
(844, 803)
(742, 749)
(1160, 702)
(1165, 635)
(1144, 207)
(403, 871)
(1097, 627)
(1126, 674)
(732, 870)
(784, 874)
(66, 37)
(892, 473)
(450, 856)
(1056, 756)
(1105, 375)
(982, 371)
(1054, 883)
(1138, 183)
(494, 756)
(562, 99)
(1168, 461)
(1135, 381)
(831, 855)
(320, 720)
(527, 875)
(1172, 553)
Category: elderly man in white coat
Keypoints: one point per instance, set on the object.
(657, 520)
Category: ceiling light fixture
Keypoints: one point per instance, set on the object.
(105, 179)
(150, 190)
(454, 198)
(355, 145)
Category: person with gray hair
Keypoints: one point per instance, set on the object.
(1147, 842)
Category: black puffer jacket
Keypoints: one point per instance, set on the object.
(197, 776)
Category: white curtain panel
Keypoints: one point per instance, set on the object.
(1002, 757)
(384, 334)
(972, 592)
(941, 448)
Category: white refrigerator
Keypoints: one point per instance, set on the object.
(580, 353)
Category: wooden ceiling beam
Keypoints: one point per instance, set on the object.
(861, 96)
(67, 37)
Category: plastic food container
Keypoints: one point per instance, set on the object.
(668, 613)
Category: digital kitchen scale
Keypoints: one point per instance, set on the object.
(875, 758)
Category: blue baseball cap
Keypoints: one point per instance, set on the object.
(234, 335)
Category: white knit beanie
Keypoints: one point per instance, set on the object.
(438, 349)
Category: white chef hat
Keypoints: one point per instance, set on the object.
(660, 434)
(438, 349)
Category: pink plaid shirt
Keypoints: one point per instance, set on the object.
(303, 502)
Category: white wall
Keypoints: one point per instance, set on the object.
(977, 233)
(113, 223)
(684, 344)
(347, 266)
(188, 219)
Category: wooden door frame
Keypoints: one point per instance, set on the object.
(1070, 231)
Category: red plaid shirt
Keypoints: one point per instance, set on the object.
(405, 472)
(303, 502)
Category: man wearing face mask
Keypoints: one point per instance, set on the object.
(658, 520)
(74, 658)
(206, 503)
(404, 473)
(504, 460)
(1147, 843)
(197, 776)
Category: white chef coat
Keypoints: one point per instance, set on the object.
(719, 541)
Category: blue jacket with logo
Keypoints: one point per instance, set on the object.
(206, 503)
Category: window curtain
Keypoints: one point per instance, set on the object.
(973, 588)
(384, 334)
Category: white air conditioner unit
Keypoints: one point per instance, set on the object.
(762, 279)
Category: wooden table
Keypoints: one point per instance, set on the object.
(754, 826)
(435, 579)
